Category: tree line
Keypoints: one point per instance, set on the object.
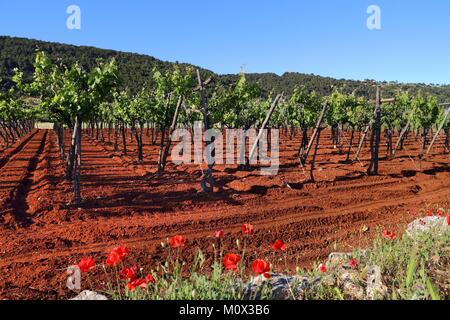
(135, 70)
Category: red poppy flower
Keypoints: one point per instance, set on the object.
(260, 266)
(247, 229)
(86, 264)
(122, 251)
(219, 234)
(441, 213)
(113, 259)
(278, 245)
(230, 261)
(448, 221)
(116, 256)
(389, 235)
(177, 242)
(429, 213)
(138, 283)
(149, 279)
(353, 263)
(322, 268)
(128, 273)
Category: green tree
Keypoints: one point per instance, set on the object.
(71, 95)
(303, 111)
(172, 88)
(395, 116)
(16, 114)
(424, 115)
(235, 106)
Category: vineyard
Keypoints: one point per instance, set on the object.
(102, 173)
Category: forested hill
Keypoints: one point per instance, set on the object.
(136, 70)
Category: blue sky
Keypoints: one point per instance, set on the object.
(325, 37)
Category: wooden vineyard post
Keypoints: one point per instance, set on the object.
(163, 131)
(400, 138)
(350, 145)
(447, 113)
(116, 137)
(138, 133)
(173, 126)
(263, 127)
(207, 182)
(76, 170)
(363, 139)
(60, 135)
(313, 161)
(124, 138)
(71, 158)
(377, 132)
(376, 135)
(304, 143)
(102, 136)
(316, 130)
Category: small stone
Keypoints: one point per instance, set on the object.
(434, 225)
(277, 287)
(375, 287)
(349, 280)
(90, 295)
(286, 185)
(338, 258)
(348, 276)
(354, 291)
(329, 280)
(364, 229)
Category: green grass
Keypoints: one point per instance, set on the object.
(411, 270)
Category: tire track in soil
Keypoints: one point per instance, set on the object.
(26, 159)
(281, 207)
(49, 182)
(311, 225)
(23, 143)
(20, 203)
(289, 208)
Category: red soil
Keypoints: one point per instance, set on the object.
(41, 233)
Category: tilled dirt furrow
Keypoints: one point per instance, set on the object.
(19, 171)
(7, 155)
(126, 204)
(286, 222)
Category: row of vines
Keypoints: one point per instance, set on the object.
(94, 101)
